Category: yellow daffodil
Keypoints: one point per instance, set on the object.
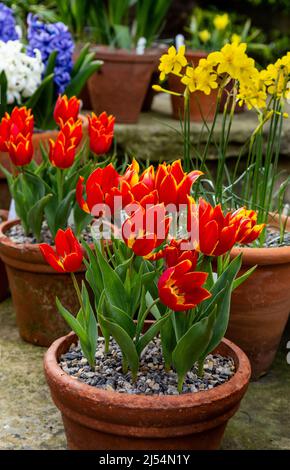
(172, 62)
(236, 38)
(204, 35)
(221, 21)
(200, 79)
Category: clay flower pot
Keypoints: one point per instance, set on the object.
(34, 286)
(201, 106)
(96, 419)
(4, 287)
(260, 307)
(120, 86)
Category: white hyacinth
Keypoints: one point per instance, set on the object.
(23, 72)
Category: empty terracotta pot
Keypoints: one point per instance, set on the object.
(260, 306)
(96, 419)
(4, 287)
(120, 86)
(34, 286)
(202, 107)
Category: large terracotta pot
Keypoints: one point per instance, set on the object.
(96, 419)
(34, 286)
(260, 306)
(120, 86)
(202, 107)
(4, 287)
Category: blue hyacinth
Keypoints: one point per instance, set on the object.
(7, 24)
(48, 38)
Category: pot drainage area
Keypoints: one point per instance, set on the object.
(29, 419)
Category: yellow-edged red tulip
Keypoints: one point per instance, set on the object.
(180, 288)
(65, 109)
(68, 254)
(248, 229)
(146, 229)
(101, 132)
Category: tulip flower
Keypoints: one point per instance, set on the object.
(146, 229)
(101, 132)
(174, 254)
(21, 122)
(173, 184)
(217, 235)
(248, 230)
(68, 254)
(66, 109)
(169, 184)
(101, 186)
(63, 150)
(21, 150)
(180, 288)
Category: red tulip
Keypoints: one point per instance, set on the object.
(101, 132)
(248, 229)
(16, 135)
(101, 186)
(217, 235)
(21, 150)
(146, 229)
(5, 133)
(66, 109)
(68, 256)
(180, 288)
(63, 150)
(173, 184)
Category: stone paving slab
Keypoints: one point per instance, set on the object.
(29, 420)
(157, 135)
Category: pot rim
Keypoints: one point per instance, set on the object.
(125, 55)
(24, 256)
(55, 374)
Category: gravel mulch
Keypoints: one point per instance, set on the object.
(152, 378)
(17, 235)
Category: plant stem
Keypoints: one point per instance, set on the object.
(77, 289)
(180, 382)
(59, 181)
(200, 372)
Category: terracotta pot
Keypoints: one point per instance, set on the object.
(34, 286)
(96, 419)
(201, 106)
(4, 287)
(260, 306)
(5, 197)
(120, 86)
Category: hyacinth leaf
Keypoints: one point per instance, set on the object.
(114, 288)
(191, 346)
(225, 281)
(33, 100)
(78, 82)
(35, 215)
(3, 93)
(150, 334)
(240, 280)
(78, 63)
(125, 343)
